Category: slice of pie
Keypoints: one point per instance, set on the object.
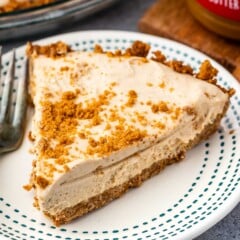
(104, 122)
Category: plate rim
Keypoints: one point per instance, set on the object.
(198, 229)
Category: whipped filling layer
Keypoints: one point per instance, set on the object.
(70, 190)
(141, 100)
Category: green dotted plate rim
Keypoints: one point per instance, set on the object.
(125, 37)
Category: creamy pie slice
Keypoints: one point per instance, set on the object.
(106, 121)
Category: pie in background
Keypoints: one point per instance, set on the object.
(7, 6)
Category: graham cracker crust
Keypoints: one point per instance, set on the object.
(107, 196)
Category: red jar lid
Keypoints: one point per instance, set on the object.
(226, 8)
(219, 16)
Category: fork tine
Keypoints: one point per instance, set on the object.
(6, 95)
(21, 99)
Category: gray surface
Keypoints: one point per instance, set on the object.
(124, 16)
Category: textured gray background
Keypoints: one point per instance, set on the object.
(124, 16)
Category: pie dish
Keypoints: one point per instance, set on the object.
(41, 19)
(180, 203)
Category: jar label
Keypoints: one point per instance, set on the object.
(226, 8)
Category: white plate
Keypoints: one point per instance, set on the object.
(180, 203)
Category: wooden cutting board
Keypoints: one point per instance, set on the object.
(172, 19)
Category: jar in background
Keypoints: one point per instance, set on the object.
(219, 16)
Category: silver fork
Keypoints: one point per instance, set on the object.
(12, 118)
